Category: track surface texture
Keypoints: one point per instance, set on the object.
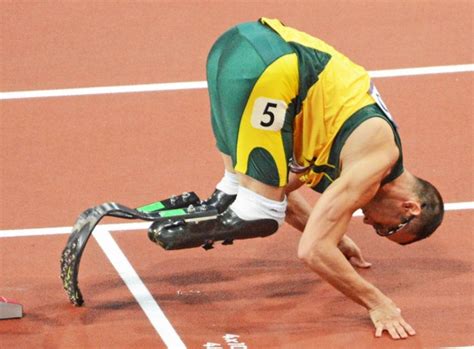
(61, 155)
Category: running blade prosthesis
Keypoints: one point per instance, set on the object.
(87, 221)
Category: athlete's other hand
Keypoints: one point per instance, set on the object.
(387, 317)
(352, 253)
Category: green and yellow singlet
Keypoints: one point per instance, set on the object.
(283, 99)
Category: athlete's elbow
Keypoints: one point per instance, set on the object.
(306, 255)
(312, 253)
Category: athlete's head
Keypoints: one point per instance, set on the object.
(432, 210)
(406, 220)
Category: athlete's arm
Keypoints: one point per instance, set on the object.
(368, 158)
(297, 215)
(298, 209)
(352, 252)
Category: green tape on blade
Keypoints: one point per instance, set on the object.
(172, 213)
(151, 207)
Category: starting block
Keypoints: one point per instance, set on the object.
(10, 309)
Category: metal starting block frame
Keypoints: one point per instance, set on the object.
(10, 309)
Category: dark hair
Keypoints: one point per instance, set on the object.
(432, 210)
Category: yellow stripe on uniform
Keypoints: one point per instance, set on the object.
(279, 85)
(340, 90)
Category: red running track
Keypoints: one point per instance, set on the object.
(62, 155)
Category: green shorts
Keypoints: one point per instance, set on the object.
(252, 76)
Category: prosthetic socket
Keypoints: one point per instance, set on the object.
(207, 223)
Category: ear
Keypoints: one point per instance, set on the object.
(412, 207)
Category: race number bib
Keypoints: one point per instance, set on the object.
(268, 114)
(378, 99)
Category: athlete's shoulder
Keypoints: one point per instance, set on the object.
(297, 36)
(371, 137)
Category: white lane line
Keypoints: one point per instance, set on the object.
(138, 289)
(85, 91)
(454, 206)
(442, 69)
(188, 85)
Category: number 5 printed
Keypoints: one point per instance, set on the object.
(268, 114)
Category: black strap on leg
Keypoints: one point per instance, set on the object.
(180, 233)
(220, 200)
(85, 224)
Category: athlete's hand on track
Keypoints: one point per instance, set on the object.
(353, 253)
(387, 317)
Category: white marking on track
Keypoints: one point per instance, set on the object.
(103, 90)
(442, 69)
(137, 288)
(454, 206)
(189, 85)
